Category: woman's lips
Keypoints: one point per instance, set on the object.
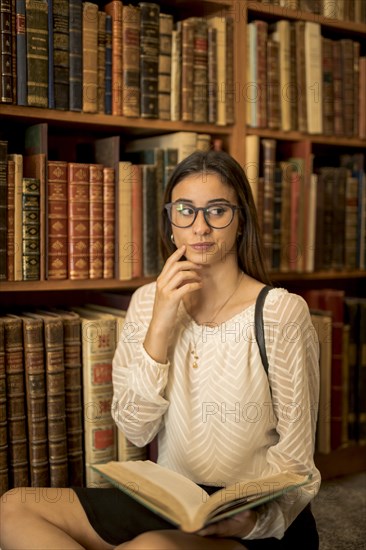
(202, 247)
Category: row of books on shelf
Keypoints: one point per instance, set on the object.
(56, 394)
(340, 324)
(312, 219)
(299, 80)
(80, 220)
(343, 10)
(56, 388)
(130, 60)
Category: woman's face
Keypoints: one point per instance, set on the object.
(204, 244)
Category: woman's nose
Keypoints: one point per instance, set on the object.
(200, 225)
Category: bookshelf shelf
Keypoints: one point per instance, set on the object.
(67, 284)
(342, 141)
(134, 126)
(318, 276)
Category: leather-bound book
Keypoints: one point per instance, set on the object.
(51, 79)
(73, 395)
(61, 49)
(338, 89)
(37, 52)
(78, 220)
(4, 477)
(6, 84)
(75, 55)
(273, 82)
(230, 91)
(10, 244)
(124, 221)
(136, 205)
(3, 203)
(101, 61)
(212, 74)
(35, 388)
(165, 64)
(218, 22)
(200, 70)
(149, 59)
(149, 217)
(114, 9)
(131, 61)
(176, 76)
(90, 66)
(347, 62)
(108, 66)
(98, 347)
(31, 229)
(187, 69)
(300, 82)
(16, 407)
(328, 86)
(57, 219)
(18, 209)
(21, 54)
(108, 222)
(95, 221)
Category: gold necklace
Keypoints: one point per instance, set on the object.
(193, 345)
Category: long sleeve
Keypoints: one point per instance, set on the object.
(294, 380)
(139, 382)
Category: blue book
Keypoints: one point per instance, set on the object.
(21, 53)
(76, 55)
(108, 66)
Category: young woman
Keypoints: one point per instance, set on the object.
(188, 369)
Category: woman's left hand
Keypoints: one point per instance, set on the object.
(239, 525)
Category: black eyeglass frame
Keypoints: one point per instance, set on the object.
(233, 207)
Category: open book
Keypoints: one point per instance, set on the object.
(185, 504)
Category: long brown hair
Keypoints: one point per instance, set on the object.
(249, 244)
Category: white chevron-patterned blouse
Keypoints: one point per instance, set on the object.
(218, 423)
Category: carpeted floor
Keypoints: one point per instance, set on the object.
(340, 513)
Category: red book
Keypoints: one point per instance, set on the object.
(57, 219)
(108, 222)
(78, 224)
(95, 221)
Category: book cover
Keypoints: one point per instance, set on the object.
(96, 221)
(6, 71)
(185, 504)
(21, 54)
(165, 65)
(89, 51)
(114, 9)
(313, 71)
(102, 17)
(3, 206)
(31, 254)
(109, 222)
(108, 65)
(36, 14)
(78, 220)
(57, 220)
(131, 61)
(149, 59)
(61, 49)
(75, 55)
(4, 474)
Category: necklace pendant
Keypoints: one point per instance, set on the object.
(195, 365)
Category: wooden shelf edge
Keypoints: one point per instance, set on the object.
(67, 285)
(316, 276)
(107, 122)
(343, 141)
(342, 462)
(350, 26)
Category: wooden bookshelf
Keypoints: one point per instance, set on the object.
(67, 123)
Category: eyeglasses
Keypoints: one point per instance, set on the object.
(217, 216)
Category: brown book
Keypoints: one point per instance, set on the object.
(18, 215)
(136, 206)
(261, 103)
(36, 15)
(328, 87)
(293, 90)
(176, 76)
(285, 215)
(31, 229)
(108, 222)
(114, 9)
(35, 387)
(165, 64)
(131, 61)
(356, 88)
(3, 206)
(73, 395)
(123, 222)
(149, 216)
(149, 59)
(78, 220)
(200, 70)
(347, 62)
(4, 474)
(57, 219)
(361, 375)
(337, 89)
(300, 78)
(187, 69)
(34, 166)
(212, 74)
(230, 91)
(6, 72)
(16, 409)
(61, 53)
(10, 244)
(362, 98)
(90, 65)
(101, 60)
(273, 92)
(269, 161)
(55, 391)
(95, 221)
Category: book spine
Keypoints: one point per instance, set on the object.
(14, 51)
(176, 77)
(78, 221)
(35, 388)
(6, 85)
(337, 89)
(149, 212)
(61, 49)
(149, 59)
(262, 31)
(101, 60)
(273, 86)
(4, 474)
(95, 221)
(3, 206)
(108, 65)
(108, 222)
(51, 75)
(200, 68)
(300, 76)
(124, 228)
(361, 375)
(75, 55)
(328, 87)
(187, 69)
(18, 216)
(347, 63)
(165, 65)
(136, 207)
(230, 92)
(21, 49)
(90, 67)
(31, 232)
(131, 61)
(37, 52)
(114, 9)
(212, 74)
(356, 87)
(10, 245)
(57, 220)
(16, 414)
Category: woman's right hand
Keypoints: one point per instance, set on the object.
(177, 278)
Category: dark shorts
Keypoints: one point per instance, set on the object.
(118, 518)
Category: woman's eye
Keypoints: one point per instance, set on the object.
(185, 210)
(217, 210)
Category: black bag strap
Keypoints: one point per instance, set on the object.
(259, 326)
